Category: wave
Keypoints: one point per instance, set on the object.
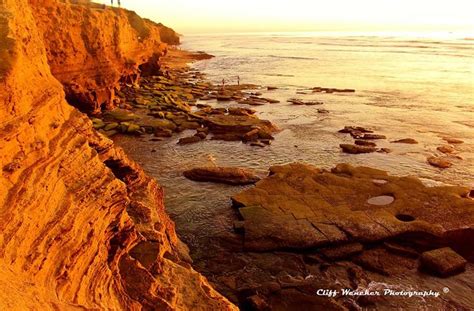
(293, 57)
(278, 75)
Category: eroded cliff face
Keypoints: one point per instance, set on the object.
(82, 226)
(90, 48)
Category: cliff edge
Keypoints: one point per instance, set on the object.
(91, 48)
(82, 226)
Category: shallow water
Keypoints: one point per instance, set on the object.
(421, 89)
(406, 87)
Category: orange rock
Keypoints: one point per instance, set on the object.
(226, 175)
(446, 149)
(357, 149)
(82, 226)
(107, 45)
(439, 162)
(405, 141)
(451, 140)
(302, 207)
(443, 262)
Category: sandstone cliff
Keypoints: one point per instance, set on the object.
(90, 48)
(82, 226)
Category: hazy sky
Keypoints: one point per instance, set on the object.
(187, 16)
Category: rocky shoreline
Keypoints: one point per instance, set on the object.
(84, 227)
(301, 227)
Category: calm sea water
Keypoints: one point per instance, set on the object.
(412, 86)
(421, 88)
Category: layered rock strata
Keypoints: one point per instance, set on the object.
(82, 226)
(91, 48)
(301, 207)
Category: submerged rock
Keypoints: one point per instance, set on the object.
(439, 162)
(356, 149)
(238, 111)
(163, 132)
(297, 101)
(446, 149)
(360, 142)
(350, 129)
(318, 89)
(98, 123)
(226, 124)
(355, 131)
(227, 137)
(405, 141)
(226, 175)
(121, 115)
(451, 140)
(189, 140)
(373, 136)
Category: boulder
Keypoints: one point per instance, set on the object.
(356, 149)
(158, 124)
(355, 131)
(264, 134)
(201, 135)
(295, 101)
(251, 135)
(241, 111)
(133, 128)
(189, 140)
(224, 97)
(98, 123)
(226, 175)
(227, 137)
(350, 129)
(373, 136)
(405, 141)
(446, 149)
(451, 140)
(159, 132)
(443, 262)
(271, 101)
(121, 115)
(360, 142)
(111, 126)
(439, 162)
(226, 124)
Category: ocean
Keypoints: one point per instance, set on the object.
(406, 87)
(416, 85)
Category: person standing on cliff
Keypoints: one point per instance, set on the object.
(118, 2)
(112, 2)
